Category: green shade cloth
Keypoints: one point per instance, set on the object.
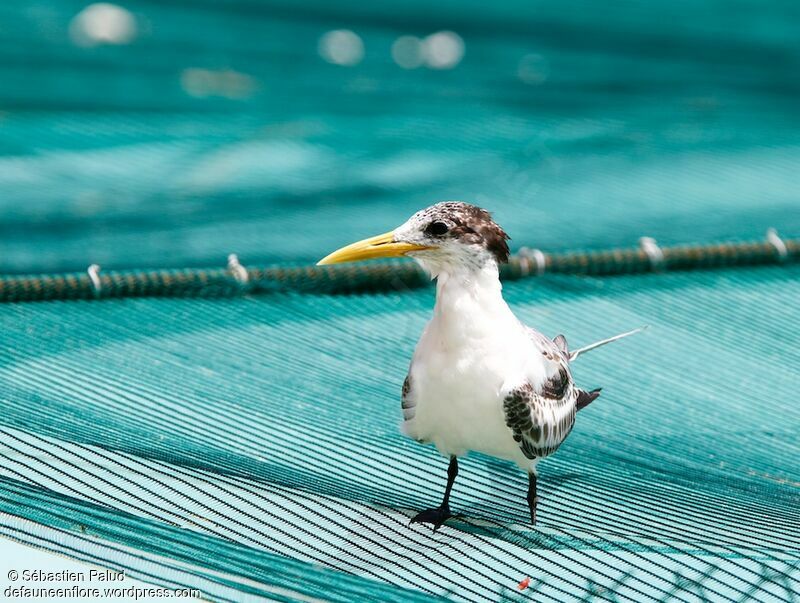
(237, 435)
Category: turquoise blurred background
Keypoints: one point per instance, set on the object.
(171, 133)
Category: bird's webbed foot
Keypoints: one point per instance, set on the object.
(436, 516)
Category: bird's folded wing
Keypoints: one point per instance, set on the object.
(541, 418)
(554, 351)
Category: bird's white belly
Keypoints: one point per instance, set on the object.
(459, 402)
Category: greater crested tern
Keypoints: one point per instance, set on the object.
(480, 380)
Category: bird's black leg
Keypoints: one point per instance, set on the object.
(437, 516)
(532, 498)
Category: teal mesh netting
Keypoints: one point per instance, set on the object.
(258, 438)
(248, 445)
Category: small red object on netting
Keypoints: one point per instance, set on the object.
(524, 584)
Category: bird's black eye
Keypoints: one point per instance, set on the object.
(436, 229)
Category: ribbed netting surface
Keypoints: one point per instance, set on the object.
(250, 446)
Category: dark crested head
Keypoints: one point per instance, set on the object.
(454, 228)
(445, 238)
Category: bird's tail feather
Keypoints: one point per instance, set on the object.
(586, 398)
(575, 353)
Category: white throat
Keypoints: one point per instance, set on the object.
(470, 304)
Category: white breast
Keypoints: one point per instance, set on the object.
(471, 353)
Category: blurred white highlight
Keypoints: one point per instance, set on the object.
(103, 23)
(341, 47)
(443, 50)
(408, 52)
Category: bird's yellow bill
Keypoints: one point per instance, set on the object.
(382, 246)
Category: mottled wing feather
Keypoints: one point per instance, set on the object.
(556, 356)
(538, 424)
(553, 350)
(557, 352)
(558, 386)
(408, 405)
(561, 344)
(541, 416)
